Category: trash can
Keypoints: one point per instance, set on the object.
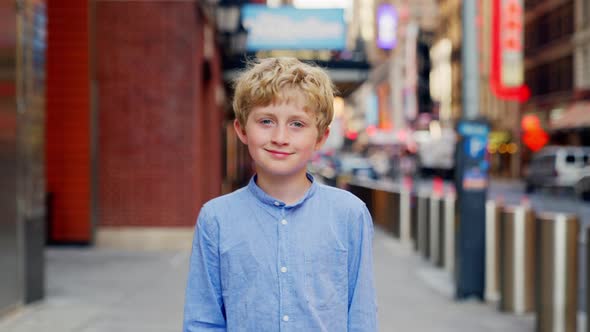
(423, 232)
(450, 228)
(517, 259)
(557, 272)
(492, 281)
(436, 213)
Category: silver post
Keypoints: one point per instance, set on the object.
(470, 61)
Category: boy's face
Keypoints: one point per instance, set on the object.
(281, 139)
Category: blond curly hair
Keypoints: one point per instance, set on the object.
(277, 80)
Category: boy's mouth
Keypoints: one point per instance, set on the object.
(278, 153)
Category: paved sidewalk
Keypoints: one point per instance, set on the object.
(100, 290)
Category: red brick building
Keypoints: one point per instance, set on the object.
(133, 121)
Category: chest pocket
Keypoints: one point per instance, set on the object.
(326, 277)
(239, 268)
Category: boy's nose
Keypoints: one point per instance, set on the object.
(280, 136)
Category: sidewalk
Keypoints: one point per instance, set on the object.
(100, 290)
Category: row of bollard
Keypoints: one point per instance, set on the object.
(531, 259)
(532, 264)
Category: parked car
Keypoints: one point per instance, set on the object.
(582, 187)
(558, 167)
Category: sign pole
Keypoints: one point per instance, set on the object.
(471, 176)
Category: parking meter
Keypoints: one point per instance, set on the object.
(471, 183)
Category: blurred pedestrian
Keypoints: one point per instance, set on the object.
(284, 253)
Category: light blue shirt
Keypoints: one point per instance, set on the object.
(260, 265)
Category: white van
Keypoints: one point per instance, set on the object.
(557, 166)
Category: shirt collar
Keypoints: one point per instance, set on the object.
(266, 199)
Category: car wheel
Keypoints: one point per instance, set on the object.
(585, 196)
(529, 188)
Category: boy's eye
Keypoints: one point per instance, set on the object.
(266, 121)
(298, 124)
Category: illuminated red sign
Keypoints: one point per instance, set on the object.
(507, 63)
(533, 135)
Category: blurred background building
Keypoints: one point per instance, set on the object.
(549, 59)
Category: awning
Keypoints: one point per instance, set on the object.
(576, 116)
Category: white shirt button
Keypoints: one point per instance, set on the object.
(285, 318)
(277, 203)
(284, 222)
(283, 269)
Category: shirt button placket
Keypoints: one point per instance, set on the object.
(283, 263)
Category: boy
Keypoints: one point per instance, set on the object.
(283, 253)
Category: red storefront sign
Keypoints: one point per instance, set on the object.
(507, 63)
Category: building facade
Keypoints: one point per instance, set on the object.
(582, 49)
(502, 115)
(450, 32)
(549, 57)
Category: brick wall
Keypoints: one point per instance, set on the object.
(67, 148)
(159, 152)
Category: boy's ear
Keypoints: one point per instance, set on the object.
(240, 131)
(322, 139)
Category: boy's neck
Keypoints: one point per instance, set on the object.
(287, 189)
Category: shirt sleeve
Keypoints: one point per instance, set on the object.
(362, 306)
(203, 307)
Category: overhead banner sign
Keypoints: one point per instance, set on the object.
(288, 28)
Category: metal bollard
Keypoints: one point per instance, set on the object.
(435, 229)
(450, 227)
(557, 272)
(395, 220)
(423, 224)
(517, 260)
(405, 216)
(492, 277)
(414, 219)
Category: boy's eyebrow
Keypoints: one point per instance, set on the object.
(264, 114)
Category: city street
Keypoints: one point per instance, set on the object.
(511, 192)
(101, 290)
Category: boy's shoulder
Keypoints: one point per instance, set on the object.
(223, 202)
(340, 197)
